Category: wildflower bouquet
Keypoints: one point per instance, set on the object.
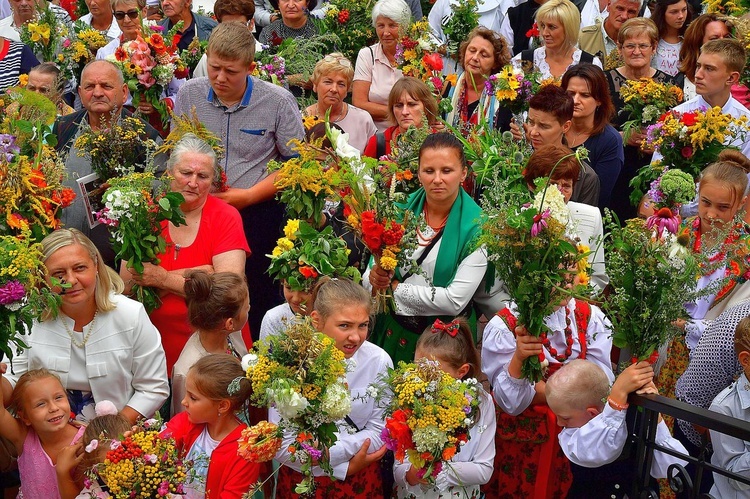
(44, 35)
(80, 48)
(271, 68)
(512, 88)
(645, 101)
(526, 240)
(689, 141)
(116, 151)
(144, 464)
(652, 278)
(24, 292)
(304, 254)
(429, 415)
(301, 374)
(402, 164)
(305, 183)
(29, 117)
(149, 63)
(134, 215)
(31, 189)
(191, 124)
(193, 54)
(457, 28)
(669, 192)
(351, 22)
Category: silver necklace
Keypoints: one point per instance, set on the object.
(85, 338)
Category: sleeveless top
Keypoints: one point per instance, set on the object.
(38, 477)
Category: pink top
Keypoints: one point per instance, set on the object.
(38, 478)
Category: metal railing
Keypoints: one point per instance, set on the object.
(643, 437)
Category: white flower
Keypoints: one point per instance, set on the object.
(552, 199)
(426, 44)
(91, 447)
(249, 361)
(14, 306)
(150, 423)
(337, 402)
(343, 148)
(372, 391)
(287, 401)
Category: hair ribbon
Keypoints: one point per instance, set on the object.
(450, 328)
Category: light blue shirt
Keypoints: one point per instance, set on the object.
(731, 453)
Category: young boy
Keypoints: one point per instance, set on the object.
(732, 453)
(594, 429)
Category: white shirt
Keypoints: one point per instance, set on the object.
(731, 453)
(8, 30)
(366, 366)
(114, 29)
(200, 455)
(541, 65)
(275, 320)
(125, 361)
(667, 57)
(471, 467)
(5, 8)
(514, 395)
(586, 223)
(733, 107)
(602, 439)
(591, 15)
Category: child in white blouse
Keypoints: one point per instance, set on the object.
(342, 311)
(594, 432)
(452, 346)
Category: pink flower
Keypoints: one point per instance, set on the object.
(665, 218)
(163, 488)
(143, 60)
(687, 152)
(11, 292)
(150, 458)
(540, 222)
(66, 43)
(146, 79)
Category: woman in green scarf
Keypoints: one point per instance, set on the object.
(449, 224)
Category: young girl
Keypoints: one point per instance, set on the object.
(526, 430)
(218, 305)
(208, 430)
(297, 302)
(40, 431)
(452, 346)
(342, 311)
(672, 17)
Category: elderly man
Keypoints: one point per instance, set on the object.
(601, 39)
(103, 92)
(194, 25)
(255, 121)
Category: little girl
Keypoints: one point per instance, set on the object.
(342, 311)
(526, 430)
(217, 305)
(208, 430)
(40, 431)
(452, 346)
(297, 302)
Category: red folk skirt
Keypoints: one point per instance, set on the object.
(366, 483)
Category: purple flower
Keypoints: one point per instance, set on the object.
(315, 454)
(11, 292)
(8, 146)
(664, 219)
(390, 443)
(540, 222)
(655, 192)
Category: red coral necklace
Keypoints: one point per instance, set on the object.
(568, 341)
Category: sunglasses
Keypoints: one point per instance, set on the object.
(341, 60)
(132, 14)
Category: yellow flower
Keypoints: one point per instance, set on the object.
(39, 32)
(583, 278)
(291, 228)
(387, 263)
(277, 251)
(23, 80)
(284, 243)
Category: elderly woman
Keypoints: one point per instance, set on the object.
(102, 345)
(212, 239)
(46, 79)
(376, 70)
(671, 18)
(452, 266)
(101, 19)
(636, 43)
(332, 79)
(294, 22)
(704, 29)
(409, 103)
(590, 128)
(559, 23)
(482, 54)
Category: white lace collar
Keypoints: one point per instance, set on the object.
(540, 61)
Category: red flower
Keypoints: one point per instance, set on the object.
(534, 31)
(372, 231)
(433, 61)
(408, 43)
(687, 151)
(308, 272)
(120, 54)
(276, 40)
(393, 234)
(157, 43)
(343, 16)
(688, 119)
(182, 73)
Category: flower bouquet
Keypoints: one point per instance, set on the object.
(24, 292)
(144, 464)
(352, 24)
(301, 374)
(149, 63)
(652, 278)
(134, 215)
(645, 101)
(457, 28)
(305, 182)
(526, 241)
(669, 192)
(31, 189)
(401, 166)
(271, 68)
(513, 87)
(80, 48)
(429, 414)
(44, 35)
(304, 254)
(116, 151)
(193, 54)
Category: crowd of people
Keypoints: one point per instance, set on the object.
(218, 297)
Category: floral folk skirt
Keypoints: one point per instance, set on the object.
(367, 483)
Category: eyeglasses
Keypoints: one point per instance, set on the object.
(630, 47)
(341, 60)
(120, 15)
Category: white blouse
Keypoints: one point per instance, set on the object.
(541, 65)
